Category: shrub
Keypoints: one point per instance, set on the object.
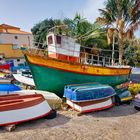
(134, 88)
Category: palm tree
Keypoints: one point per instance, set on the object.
(86, 33)
(123, 16)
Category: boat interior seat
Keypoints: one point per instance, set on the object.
(17, 96)
(10, 102)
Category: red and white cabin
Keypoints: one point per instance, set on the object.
(63, 48)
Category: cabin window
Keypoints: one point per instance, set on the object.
(50, 40)
(58, 39)
(18, 60)
(16, 37)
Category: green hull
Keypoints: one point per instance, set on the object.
(54, 80)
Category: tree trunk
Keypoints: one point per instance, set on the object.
(120, 48)
(113, 43)
(120, 40)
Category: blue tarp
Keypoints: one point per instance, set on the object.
(8, 87)
(86, 92)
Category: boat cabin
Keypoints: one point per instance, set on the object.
(63, 47)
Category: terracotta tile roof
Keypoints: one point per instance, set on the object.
(17, 32)
(4, 28)
(8, 26)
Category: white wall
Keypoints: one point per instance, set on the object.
(22, 61)
(6, 38)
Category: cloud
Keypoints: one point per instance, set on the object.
(90, 9)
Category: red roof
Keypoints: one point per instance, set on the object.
(5, 28)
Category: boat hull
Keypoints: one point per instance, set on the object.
(88, 92)
(52, 75)
(24, 79)
(90, 106)
(54, 80)
(14, 111)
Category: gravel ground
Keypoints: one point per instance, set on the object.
(117, 123)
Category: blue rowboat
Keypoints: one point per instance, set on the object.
(88, 92)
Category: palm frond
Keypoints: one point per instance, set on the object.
(102, 21)
(110, 34)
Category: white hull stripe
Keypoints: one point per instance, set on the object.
(23, 79)
(21, 115)
(97, 106)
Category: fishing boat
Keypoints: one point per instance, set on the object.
(63, 63)
(123, 95)
(89, 97)
(15, 108)
(24, 79)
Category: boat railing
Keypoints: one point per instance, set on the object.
(82, 57)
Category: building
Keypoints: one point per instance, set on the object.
(11, 39)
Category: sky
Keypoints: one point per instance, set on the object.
(26, 13)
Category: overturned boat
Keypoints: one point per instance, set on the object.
(89, 97)
(15, 108)
(123, 95)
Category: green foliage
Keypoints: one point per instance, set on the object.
(129, 56)
(124, 17)
(127, 10)
(86, 33)
(41, 29)
(132, 52)
(134, 89)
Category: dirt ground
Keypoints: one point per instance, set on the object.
(117, 123)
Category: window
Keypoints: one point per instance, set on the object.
(58, 39)
(18, 60)
(15, 46)
(50, 40)
(16, 37)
